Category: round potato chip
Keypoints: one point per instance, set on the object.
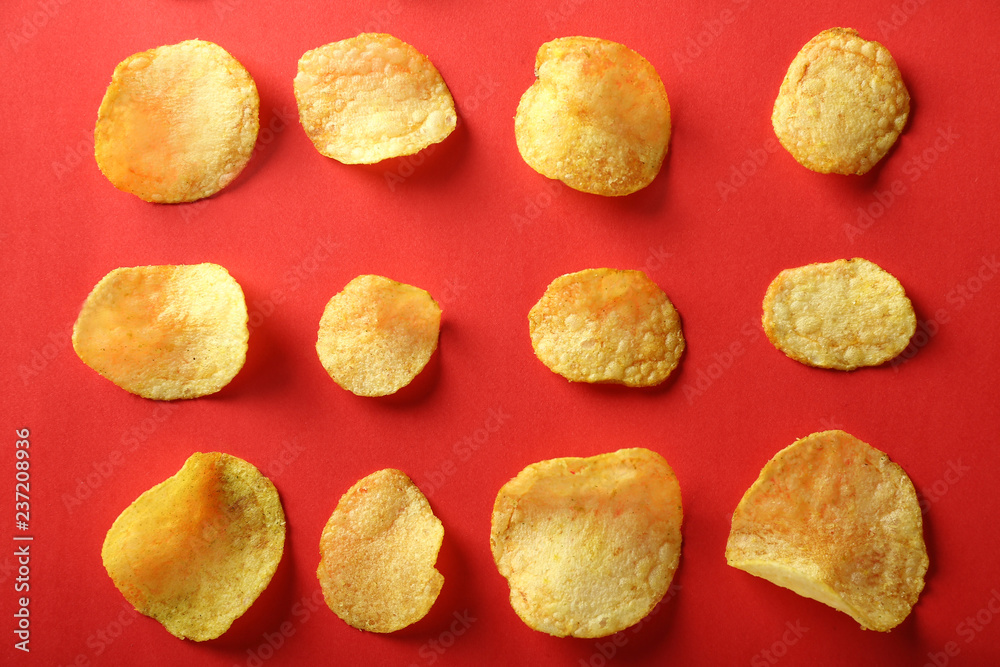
(607, 325)
(376, 335)
(196, 550)
(377, 554)
(596, 118)
(833, 519)
(372, 97)
(178, 122)
(588, 545)
(841, 105)
(165, 332)
(841, 314)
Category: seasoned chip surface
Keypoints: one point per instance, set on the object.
(841, 314)
(842, 103)
(607, 325)
(196, 550)
(372, 97)
(596, 118)
(178, 122)
(377, 554)
(833, 519)
(588, 545)
(376, 335)
(165, 332)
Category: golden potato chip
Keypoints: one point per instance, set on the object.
(376, 335)
(178, 122)
(841, 314)
(607, 325)
(196, 550)
(377, 554)
(842, 104)
(372, 97)
(833, 519)
(588, 545)
(165, 332)
(596, 118)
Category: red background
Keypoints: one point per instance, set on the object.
(452, 226)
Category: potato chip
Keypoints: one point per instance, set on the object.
(165, 332)
(833, 519)
(841, 314)
(377, 554)
(842, 104)
(196, 550)
(596, 118)
(178, 122)
(376, 335)
(588, 545)
(607, 325)
(372, 97)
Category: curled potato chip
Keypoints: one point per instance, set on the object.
(376, 335)
(178, 122)
(596, 118)
(196, 550)
(833, 519)
(842, 103)
(165, 332)
(607, 325)
(378, 552)
(588, 545)
(372, 97)
(841, 314)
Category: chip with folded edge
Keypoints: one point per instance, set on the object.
(377, 554)
(588, 545)
(196, 550)
(165, 332)
(833, 519)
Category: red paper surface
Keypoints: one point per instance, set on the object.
(470, 222)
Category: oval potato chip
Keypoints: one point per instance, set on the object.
(596, 118)
(372, 97)
(178, 122)
(165, 332)
(378, 552)
(833, 519)
(196, 550)
(376, 335)
(841, 105)
(841, 314)
(588, 545)
(607, 325)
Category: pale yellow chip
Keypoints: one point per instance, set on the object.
(377, 554)
(833, 519)
(376, 335)
(842, 103)
(588, 545)
(596, 118)
(196, 550)
(372, 97)
(165, 332)
(841, 314)
(178, 122)
(607, 325)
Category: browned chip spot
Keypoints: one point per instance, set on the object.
(842, 104)
(607, 325)
(833, 519)
(196, 550)
(378, 552)
(165, 332)
(178, 122)
(596, 118)
(588, 545)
